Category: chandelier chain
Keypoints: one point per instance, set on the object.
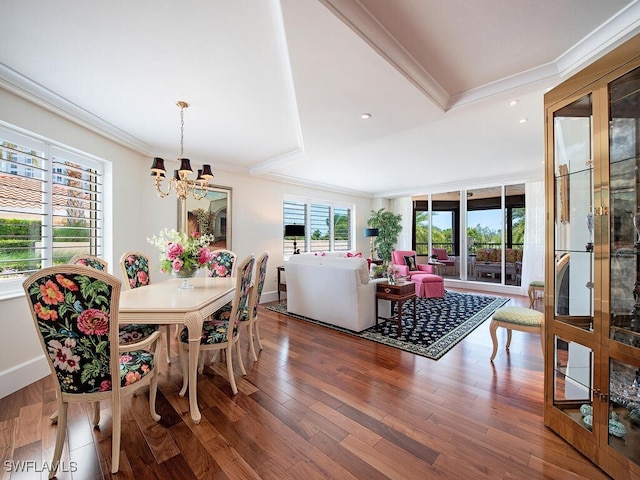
(181, 130)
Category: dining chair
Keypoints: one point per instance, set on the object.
(135, 270)
(75, 312)
(249, 318)
(89, 261)
(222, 330)
(222, 263)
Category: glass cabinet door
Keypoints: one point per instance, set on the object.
(574, 221)
(624, 326)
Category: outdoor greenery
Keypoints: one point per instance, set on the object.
(18, 240)
(389, 227)
(481, 235)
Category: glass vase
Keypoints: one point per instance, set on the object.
(185, 274)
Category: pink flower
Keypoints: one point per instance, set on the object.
(143, 278)
(177, 265)
(105, 386)
(174, 250)
(204, 256)
(131, 259)
(221, 270)
(93, 322)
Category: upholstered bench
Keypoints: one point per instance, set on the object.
(428, 285)
(535, 287)
(516, 318)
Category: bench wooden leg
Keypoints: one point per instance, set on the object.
(492, 330)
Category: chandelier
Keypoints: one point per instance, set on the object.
(180, 182)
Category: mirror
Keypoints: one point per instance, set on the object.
(210, 215)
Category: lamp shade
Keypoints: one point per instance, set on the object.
(371, 232)
(206, 172)
(158, 165)
(185, 166)
(294, 230)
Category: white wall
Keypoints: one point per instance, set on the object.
(137, 213)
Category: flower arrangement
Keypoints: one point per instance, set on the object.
(180, 252)
(392, 272)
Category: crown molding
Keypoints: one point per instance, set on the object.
(365, 25)
(615, 31)
(33, 92)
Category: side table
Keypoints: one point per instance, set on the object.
(396, 293)
(282, 287)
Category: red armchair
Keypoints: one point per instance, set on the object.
(443, 257)
(398, 259)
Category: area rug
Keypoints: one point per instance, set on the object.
(440, 323)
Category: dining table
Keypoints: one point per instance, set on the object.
(165, 302)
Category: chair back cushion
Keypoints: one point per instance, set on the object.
(89, 261)
(397, 256)
(243, 289)
(222, 263)
(441, 253)
(135, 267)
(72, 309)
(261, 269)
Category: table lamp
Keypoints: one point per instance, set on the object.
(371, 233)
(294, 231)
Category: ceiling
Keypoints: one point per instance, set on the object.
(276, 88)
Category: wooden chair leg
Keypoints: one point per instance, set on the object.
(239, 354)
(251, 345)
(508, 339)
(61, 435)
(116, 410)
(96, 413)
(232, 379)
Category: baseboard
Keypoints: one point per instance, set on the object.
(22, 375)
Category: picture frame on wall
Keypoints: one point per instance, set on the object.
(210, 215)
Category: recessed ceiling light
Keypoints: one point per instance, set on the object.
(513, 102)
(524, 120)
(365, 116)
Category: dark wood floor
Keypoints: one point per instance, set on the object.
(319, 404)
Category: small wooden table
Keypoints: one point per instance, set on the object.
(282, 287)
(396, 293)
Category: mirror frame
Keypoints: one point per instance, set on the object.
(222, 197)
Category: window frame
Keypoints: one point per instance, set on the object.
(50, 150)
(309, 206)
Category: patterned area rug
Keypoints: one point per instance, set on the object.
(440, 323)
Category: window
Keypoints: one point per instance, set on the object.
(50, 206)
(328, 227)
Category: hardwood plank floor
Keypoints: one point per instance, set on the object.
(317, 404)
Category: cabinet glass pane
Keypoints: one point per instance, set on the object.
(574, 242)
(573, 380)
(624, 111)
(624, 409)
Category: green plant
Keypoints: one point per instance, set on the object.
(389, 226)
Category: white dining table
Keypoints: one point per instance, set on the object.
(165, 303)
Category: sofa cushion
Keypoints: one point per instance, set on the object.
(410, 261)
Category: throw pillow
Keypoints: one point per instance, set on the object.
(410, 261)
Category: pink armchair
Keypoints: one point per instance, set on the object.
(397, 259)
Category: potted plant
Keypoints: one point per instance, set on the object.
(389, 227)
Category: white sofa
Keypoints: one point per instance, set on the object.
(332, 289)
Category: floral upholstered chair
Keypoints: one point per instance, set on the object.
(129, 333)
(222, 263)
(222, 330)
(135, 271)
(75, 313)
(249, 318)
(89, 261)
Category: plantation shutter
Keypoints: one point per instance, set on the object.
(51, 206)
(294, 213)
